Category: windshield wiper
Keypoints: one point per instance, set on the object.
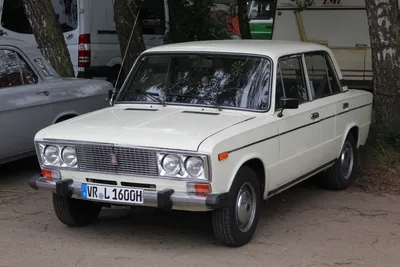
(153, 96)
(191, 96)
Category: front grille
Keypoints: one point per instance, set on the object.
(131, 161)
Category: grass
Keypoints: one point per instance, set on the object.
(380, 173)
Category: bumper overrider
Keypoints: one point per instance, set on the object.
(166, 199)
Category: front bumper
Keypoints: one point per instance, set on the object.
(165, 199)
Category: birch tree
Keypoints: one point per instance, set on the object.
(49, 36)
(384, 29)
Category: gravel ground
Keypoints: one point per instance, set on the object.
(305, 226)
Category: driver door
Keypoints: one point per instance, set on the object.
(25, 108)
(299, 130)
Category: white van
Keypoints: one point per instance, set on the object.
(88, 28)
(89, 31)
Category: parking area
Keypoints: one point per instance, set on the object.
(305, 226)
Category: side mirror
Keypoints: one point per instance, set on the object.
(288, 103)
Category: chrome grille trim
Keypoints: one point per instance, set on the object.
(131, 161)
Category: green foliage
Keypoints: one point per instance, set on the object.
(303, 4)
(191, 21)
(390, 138)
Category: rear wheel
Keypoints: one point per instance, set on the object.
(235, 224)
(341, 175)
(75, 212)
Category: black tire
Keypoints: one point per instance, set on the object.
(75, 212)
(224, 221)
(333, 178)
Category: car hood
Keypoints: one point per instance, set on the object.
(164, 127)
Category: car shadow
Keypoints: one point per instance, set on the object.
(18, 171)
(153, 226)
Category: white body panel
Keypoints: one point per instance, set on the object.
(291, 147)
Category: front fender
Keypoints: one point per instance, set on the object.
(240, 161)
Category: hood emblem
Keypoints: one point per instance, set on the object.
(113, 158)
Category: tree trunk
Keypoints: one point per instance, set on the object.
(384, 26)
(49, 36)
(243, 20)
(125, 13)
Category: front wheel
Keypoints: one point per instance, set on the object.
(235, 224)
(75, 212)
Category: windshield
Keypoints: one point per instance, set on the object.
(197, 79)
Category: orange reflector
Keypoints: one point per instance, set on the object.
(202, 189)
(49, 175)
(223, 156)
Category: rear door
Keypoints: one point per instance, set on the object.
(324, 86)
(25, 107)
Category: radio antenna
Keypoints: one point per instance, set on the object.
(125, 53)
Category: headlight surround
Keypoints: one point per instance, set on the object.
(194, 166)
(171, 164)
(68, 155)
(51, 155)
(191, 167)
(57, 155)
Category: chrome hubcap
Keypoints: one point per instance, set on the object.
(245, 207)
(347, 160)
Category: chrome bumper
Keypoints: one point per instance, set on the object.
(165, 199)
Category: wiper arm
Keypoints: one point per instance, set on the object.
(153, 96)
(191, 96)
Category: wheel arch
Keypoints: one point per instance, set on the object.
(65, 116)
(354, 130)
(255, 163)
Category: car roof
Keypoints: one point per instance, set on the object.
(271, 48)
(29, 50)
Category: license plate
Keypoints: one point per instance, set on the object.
(113, 194)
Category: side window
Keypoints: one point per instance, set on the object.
(290, 81)
(14, 18)
(323, 81)
(14, 71)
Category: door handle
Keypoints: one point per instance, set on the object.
(45, 92)
(345, 105)
(315, 116)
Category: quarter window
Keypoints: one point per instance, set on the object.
(290, 81)
(323, 81)
(14, 70)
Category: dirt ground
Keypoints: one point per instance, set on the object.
(305, 226)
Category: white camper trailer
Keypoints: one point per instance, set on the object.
(342, 25)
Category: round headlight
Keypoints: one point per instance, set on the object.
(171, 164)
(69, 156)
(51, 154)
(194, 166)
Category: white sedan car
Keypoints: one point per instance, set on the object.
(214, 126)
(33, 96)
